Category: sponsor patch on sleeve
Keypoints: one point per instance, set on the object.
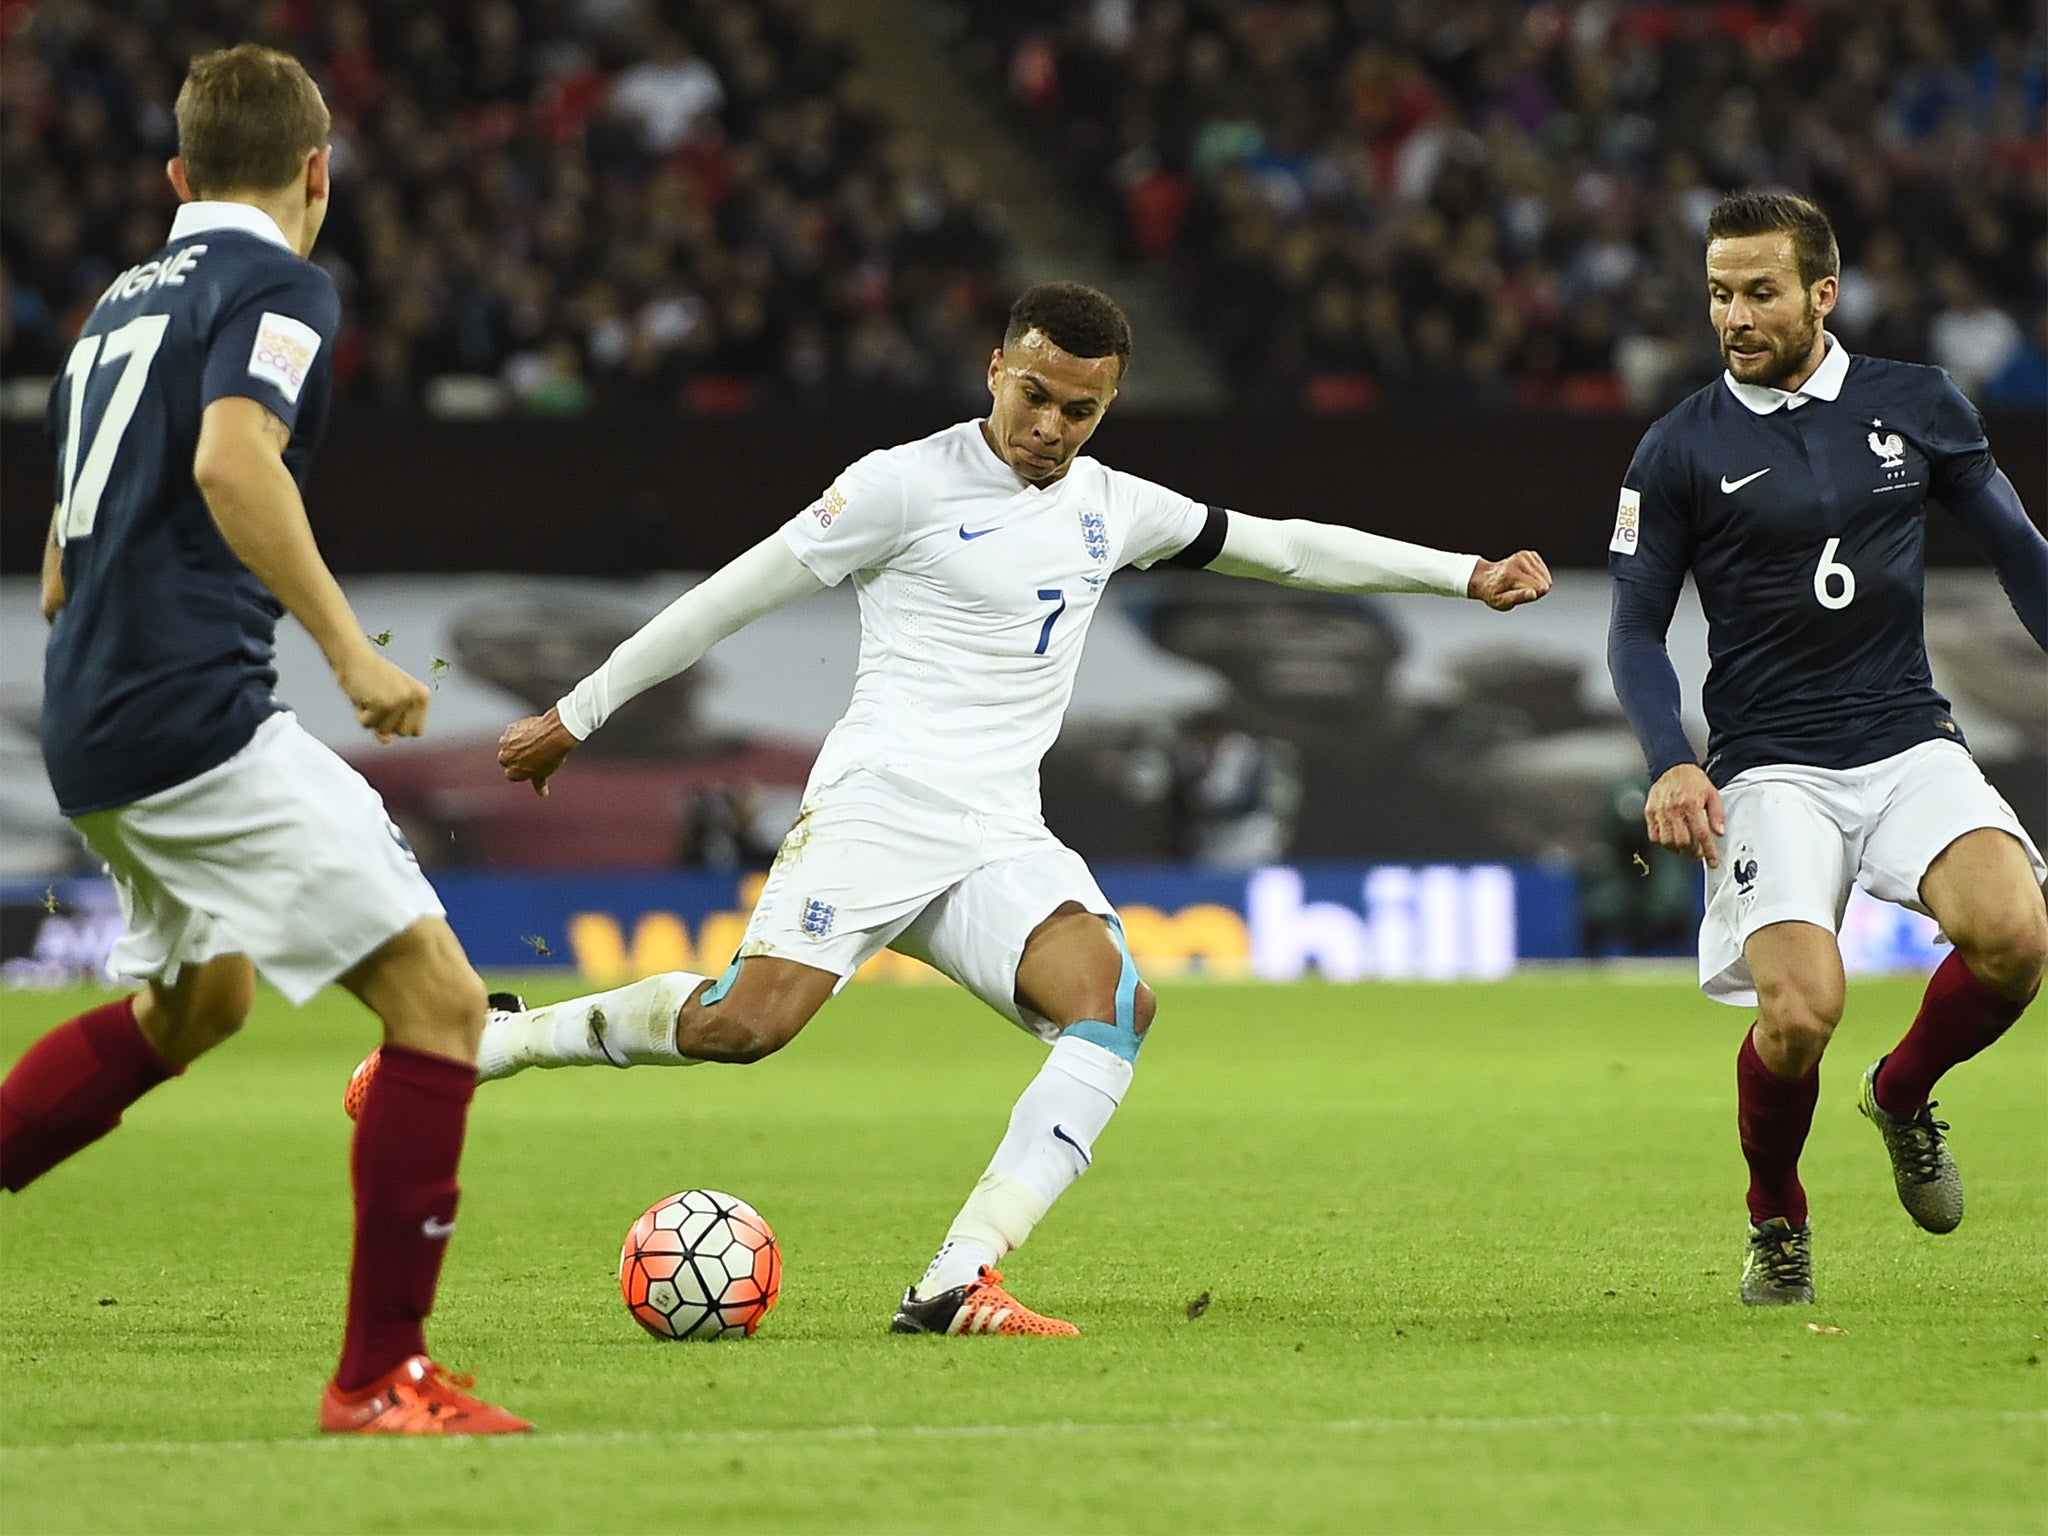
(284, 353)
(1627, 520)
(826, 508)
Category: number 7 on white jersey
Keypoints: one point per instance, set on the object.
(1048, 595)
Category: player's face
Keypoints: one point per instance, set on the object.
(1047, 404)
(1767, 320)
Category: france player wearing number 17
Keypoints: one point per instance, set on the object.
(1794, 489)
(183, 425)
(979, 556)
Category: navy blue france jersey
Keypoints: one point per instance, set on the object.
(1801, 519)
(161, 662)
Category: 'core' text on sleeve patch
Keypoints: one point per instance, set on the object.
(827, 507)
(1626, 521)
(284, 353)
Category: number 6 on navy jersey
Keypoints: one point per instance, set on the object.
(137, 341)
(1834, 584)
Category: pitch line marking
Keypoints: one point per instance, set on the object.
(1499, 1424)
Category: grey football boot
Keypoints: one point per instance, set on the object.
(1777, 1271)
(1930, 1185)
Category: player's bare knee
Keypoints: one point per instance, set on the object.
(1144, 1009)
(2011, 956)
(441, 1010)
(467, 1003)
(208, 1006)
(1799, 1018)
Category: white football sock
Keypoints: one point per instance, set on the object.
(1049, 1145)
(632, 1026)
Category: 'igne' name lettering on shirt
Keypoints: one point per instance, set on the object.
(164, 272)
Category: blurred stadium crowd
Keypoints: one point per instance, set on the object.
(1505, 202)
(696, 202)
(574, 199)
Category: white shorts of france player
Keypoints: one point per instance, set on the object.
(1798, 839)
(282, 853)
(875, 862)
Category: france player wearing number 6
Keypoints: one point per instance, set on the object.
(183, 424)
(1793, 489)
(979, 556)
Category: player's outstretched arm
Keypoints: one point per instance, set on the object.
(240, 470)
(1326, 558)
(53, 575)
(765, 578)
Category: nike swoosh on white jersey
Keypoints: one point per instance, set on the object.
(1728, 485)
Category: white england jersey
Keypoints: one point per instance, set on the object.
(976, 591)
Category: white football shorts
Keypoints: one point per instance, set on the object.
(1798, 838)
(282, 853)
(876, 863)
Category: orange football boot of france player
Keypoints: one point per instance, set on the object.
(416, 1398)
(359, 1084)
(366, 1069)
(982, 1306)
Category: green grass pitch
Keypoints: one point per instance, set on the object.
(1470, 1254)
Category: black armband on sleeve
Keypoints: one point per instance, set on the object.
(1207, 545)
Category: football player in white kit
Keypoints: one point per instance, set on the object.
(979, 555)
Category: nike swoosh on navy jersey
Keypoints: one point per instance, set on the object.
(1728, 485)
(979, 533)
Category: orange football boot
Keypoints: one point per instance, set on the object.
(980, 1307)
(366, 1069)
(416, 1398)
(359, 1084)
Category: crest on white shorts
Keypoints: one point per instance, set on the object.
(818, 916)
(1743, 867)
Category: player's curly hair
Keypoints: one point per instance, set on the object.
(1768, 213)
(247, 118)
(1073, 317)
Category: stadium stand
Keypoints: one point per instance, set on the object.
(543, 203)
(1503, 203)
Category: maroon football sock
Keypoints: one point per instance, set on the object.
(1774, 1116)
(1960, 1015)
(70, 1088)
(408, 1142)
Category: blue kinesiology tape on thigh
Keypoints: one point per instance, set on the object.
(1122, 1037)
(715, 993)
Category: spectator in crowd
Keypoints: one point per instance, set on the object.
(679, 202)
(725, 830)
(1361, 199)
(1232, 797)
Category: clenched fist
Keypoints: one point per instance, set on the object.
(1504, 584)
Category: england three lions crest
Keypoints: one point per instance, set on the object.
(1095, 534)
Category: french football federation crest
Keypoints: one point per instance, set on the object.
(1742, 864)
(1891, 448)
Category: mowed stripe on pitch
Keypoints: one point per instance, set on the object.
(1051, 1429)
